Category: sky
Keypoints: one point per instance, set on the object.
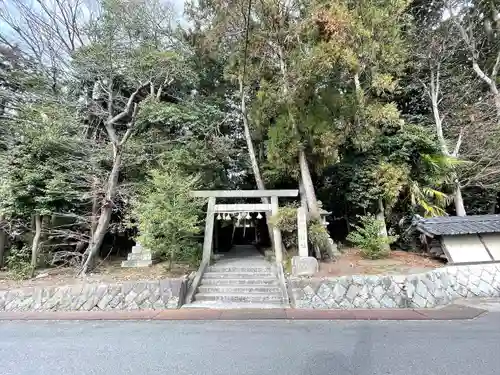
(178, 4)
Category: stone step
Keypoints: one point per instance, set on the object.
(233, 305)
(138, 249)
(235, 289)
(238, 275)
(236, 297)
(139, 256)
(253, 269)
(229, 281)
(137, 263)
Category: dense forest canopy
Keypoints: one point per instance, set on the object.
(112, 110)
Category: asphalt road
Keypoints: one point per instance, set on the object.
(251, 347)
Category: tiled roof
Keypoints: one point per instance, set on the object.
(450, 225)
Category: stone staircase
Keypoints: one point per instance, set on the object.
(239, 282)
(139, 257)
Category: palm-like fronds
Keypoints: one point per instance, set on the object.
(432, 201)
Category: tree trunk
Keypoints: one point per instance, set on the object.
(36, 243)
(3, 238)
(493, 206)
(381, 217)
(305, 173)
(308, 186)
(251, 152)
(106, 211)
(497, 104)
(434, 96)
(248, 139)
(459, 201)
(171, 260)
(95, 207)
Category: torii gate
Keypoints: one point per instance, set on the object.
(214, 209)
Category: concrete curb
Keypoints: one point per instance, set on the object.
(451, 312)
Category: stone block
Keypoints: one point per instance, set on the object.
(25, 303)
(324, 292)
(388, 302)
(304, 266)
(429, 284)
(140, 256)
(331, 303)
(421, 289)
(2, 300)
(430, 301)
(159, 304)
(136, 263)
(141, 297)
(345, 304)
(53, 302)
(364, 293)
(352, 292)
(308, 291)
(387, 282)
(318, 303)
(116, 303)
(129, 297)
(418, 301)
(173, 303)
(372, 303)
(137, 249)
(66, 299)
(358, 303)
(378, 292)
(140, 286)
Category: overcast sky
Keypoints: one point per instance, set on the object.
(179, 5)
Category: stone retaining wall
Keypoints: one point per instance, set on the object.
(160, 294)
(434, 288)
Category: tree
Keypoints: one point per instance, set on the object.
(168, 217)
(45, 169)
(127, 64)
(230, 37)
(478, 24)
(463, 115)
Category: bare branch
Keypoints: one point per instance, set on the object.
(165, 83)
(130, 125)
(480, 73)
(128, 107)
(459, 143)
(494, 71)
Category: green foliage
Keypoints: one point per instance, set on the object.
(367, 236)
(286, 218)
(341, 82)
(18, 263)
(317, 235)
(286, 221)
(167, 216)
(46, 165)
(192, 134)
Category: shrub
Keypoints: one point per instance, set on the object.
(286, 221)
(168, 217)
(367, 237)
(318, 235)
(19, 263)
